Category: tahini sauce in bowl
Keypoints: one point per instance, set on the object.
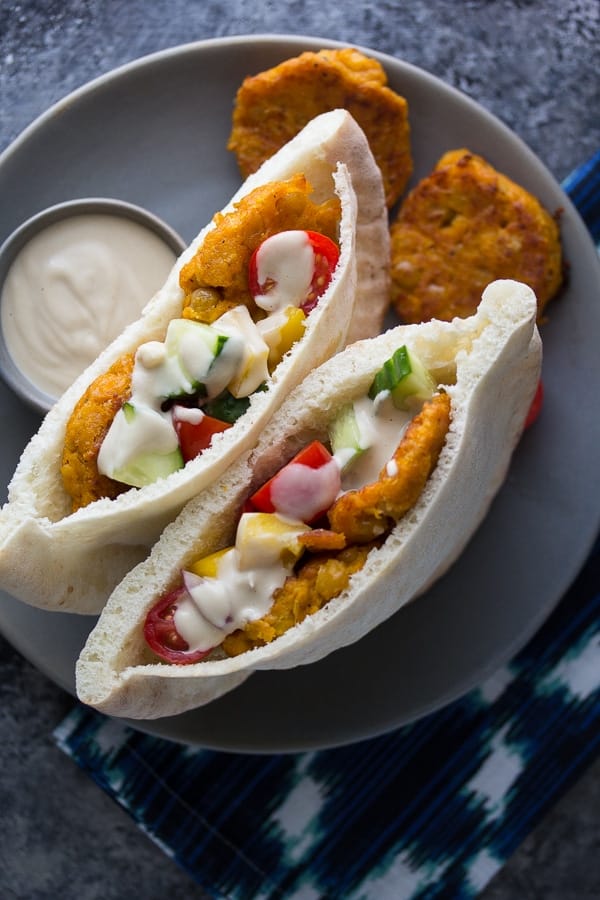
(73, 277)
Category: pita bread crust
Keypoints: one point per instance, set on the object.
(55, 559)
(492, 364)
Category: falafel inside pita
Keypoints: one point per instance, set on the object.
(363, 490)
(291, 269)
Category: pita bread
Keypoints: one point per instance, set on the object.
(489, 364)
(59, 560)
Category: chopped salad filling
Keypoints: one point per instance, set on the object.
(309, 528)
(248, 291)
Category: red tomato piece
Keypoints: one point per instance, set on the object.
(314, 455)
(536, 405)
(325, 258)
(162, 636)
(326, 254)
(196, 437)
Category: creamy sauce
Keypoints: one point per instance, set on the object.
(391, 468)
(193, 415)
(215, 607)
(142, 427)
(187, 360)
(195, 360)
(73, 288)
(130, 436)
(285, 269)
(381, 427)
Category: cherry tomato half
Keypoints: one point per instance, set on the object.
(325, 258)
(194, 437)
(314, 456)
(536, 405)
(326, 254)
(162, 636)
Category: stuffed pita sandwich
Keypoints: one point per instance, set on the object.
(291, 270)
(363, 489)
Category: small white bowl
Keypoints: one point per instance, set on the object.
(32, 393)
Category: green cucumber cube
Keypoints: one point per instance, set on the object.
(406, 379)
(345, 436)
(149, 467)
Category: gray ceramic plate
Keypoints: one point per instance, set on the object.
(154, 133)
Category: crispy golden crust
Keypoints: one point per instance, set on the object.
(369, 512)
(273, 106)
(321, 539)
(462, 227)
(86, 430)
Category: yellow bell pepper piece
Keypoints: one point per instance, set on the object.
(265, 538)
(281, 331)
(292, 331)
(208, 566)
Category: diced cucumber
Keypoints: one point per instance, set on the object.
(405, 377)
(140, 446)
(347, 442)
(180, 329)
(129, 412)
(251, 363)
(197, 360)
(148, 468)
(195, 346)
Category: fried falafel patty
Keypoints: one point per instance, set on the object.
(273, 106)
(460, 228)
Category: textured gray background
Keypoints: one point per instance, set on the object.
(533, 64)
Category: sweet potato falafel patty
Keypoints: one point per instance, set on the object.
(460, 228)
(273, 106)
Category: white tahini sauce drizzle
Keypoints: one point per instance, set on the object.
(285, 265)
(381, 427)
(142, 425)
(73, 288)
(193, 415)
(215, 607)
(124, 442)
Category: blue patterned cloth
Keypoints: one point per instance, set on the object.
(431, 810)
